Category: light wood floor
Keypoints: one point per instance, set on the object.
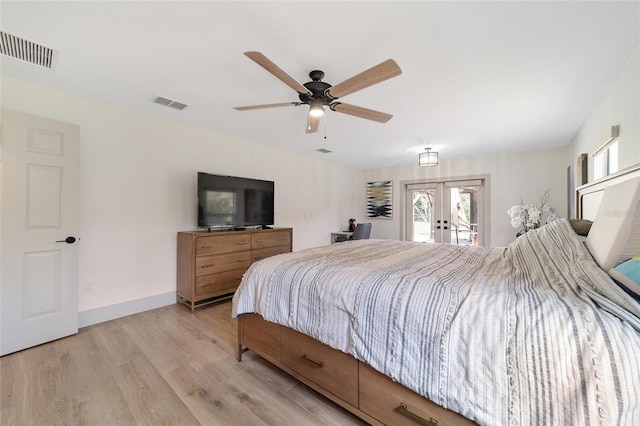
(165, 366)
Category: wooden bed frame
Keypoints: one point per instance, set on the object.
(350, 383)
(353, 384)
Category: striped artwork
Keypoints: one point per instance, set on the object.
(529, 334)
(380, 200)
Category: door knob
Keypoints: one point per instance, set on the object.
(68, 240)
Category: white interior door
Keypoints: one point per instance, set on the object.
(40, 209)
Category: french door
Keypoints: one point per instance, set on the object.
(450, 212)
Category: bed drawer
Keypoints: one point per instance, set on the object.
(222, 262)
(393, 404)
(222, 244)
(331, 369)
(217, 284)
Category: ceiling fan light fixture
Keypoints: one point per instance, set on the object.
(318, 94)
(316, 109)
(428, 158)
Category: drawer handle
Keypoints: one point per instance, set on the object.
(240, 260)
(205, 247)
(206, 285)
(404, 410)
(207, 265)
(315, 364)
(243, 243)
(259, 241)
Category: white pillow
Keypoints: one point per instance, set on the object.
(615, 233)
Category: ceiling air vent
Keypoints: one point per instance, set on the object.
(26, 51)
(324, 151)
(169, 103)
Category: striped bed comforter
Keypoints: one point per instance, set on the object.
(535, 333)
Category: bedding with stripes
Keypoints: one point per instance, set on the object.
(534, 333)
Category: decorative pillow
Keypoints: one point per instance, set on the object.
(581, 226)
(627, 274)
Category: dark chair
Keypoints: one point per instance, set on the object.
(362, 232)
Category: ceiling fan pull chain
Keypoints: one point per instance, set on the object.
(325, 127)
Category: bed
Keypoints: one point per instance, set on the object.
(399, 332)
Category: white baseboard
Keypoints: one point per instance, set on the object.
(108, 313)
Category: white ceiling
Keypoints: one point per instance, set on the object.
(478, 77)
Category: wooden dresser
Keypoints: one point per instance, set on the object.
(211, 264)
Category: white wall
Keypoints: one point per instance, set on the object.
(619, 105)
(138, 183)
(526, 175)
(512, 177)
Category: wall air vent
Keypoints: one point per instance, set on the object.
(324, 151)
(169, 103)
(26, 51)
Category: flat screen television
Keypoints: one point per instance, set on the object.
(226, 202)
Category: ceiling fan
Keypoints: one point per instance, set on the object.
(318, 94)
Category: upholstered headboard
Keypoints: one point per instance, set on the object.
(589, 196)
(613, 204)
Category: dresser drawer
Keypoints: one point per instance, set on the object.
(393, 404)
(216, 284)
(270, 239)
(331, 369)
(222, 262)
(263, 253)
(222, 244)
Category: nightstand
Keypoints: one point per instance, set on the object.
(338, 237)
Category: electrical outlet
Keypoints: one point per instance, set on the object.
(90, 287)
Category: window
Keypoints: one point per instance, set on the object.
(605, 159)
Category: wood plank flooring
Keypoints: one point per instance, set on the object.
(161, 367)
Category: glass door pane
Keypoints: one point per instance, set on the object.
(463, 202)
(421, 226)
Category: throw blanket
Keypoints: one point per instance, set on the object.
(529, 334)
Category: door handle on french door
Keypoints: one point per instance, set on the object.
(68, 240)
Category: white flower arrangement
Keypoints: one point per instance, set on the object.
(529, 216)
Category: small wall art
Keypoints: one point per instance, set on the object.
(380, 200)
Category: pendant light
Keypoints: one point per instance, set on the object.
(428, 158)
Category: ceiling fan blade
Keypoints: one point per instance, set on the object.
(374, 75)
(245, 108)
(361, 112)
(313, 122)
(266, 63)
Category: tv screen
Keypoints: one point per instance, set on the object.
(226, 202)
